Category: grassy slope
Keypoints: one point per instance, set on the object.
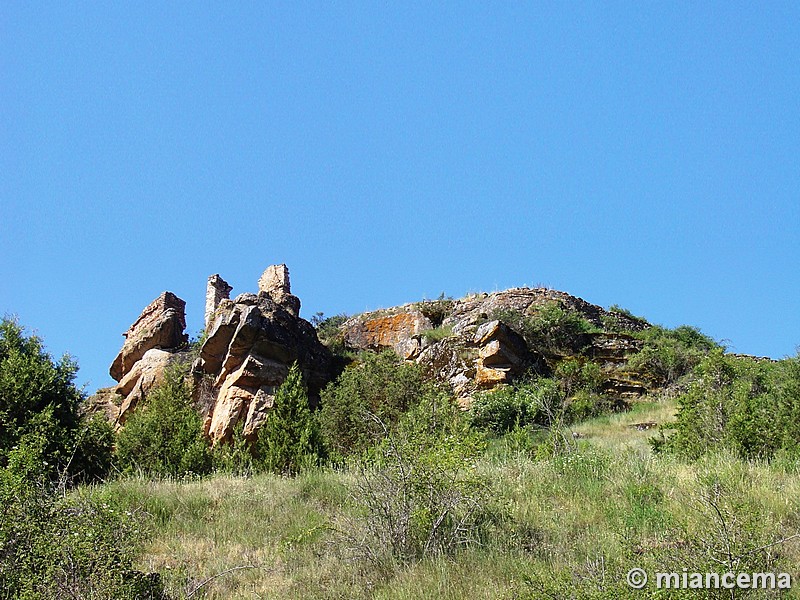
(577, 524)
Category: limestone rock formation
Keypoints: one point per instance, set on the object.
(252, 340)
(502, 355)
(400, 331)
(146, 374)
(250, 345)
(274, 282)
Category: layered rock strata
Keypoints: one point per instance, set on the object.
(251, 343)
(152, 343)
(466, 343)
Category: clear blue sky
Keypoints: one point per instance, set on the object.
(641, 154)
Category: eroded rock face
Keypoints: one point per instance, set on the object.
(217, 290)
(153, 342)
(475, 350)
(502, 355)
(251, 343)
(400, 331)
(274, 283)
(146, 374)
(161, 325)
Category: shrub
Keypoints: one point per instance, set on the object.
(64, 546)
(746, 406)
(669, 354)
(437, 310)
(327, 327)
(236, 457)
(420, 496)
(165, 436)
(507, 408)
(93, 449)
(289, 438)
(377, 384)
(551, 329)
(36, 393)
(38, 400)
(438, 333)
(575, 374)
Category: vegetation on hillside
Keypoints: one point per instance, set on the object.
(542, 489)
(551, 328)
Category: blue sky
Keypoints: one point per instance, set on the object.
(634, 153)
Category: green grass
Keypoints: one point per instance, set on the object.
(575, 524)
(438, 333)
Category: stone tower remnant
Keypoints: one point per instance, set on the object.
(217, 290)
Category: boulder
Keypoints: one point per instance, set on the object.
(161, 325)
(502, 355)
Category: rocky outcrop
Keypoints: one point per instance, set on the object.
(611, 352)
(274, 282)
(145, 375)
(472, 344)
(161, 325)
(467, 344)
(502, 355)
(217, 290)
(251, 342)
(400, 331)
(249, 345)
(155, 340)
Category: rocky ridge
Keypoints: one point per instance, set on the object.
(251, 341)
(467, 344)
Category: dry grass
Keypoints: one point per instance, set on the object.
(575, 524)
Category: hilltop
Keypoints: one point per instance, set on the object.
(470, 345)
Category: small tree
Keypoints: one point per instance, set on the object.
(39, 405)
(165, 436)
(36, 394)
(420, 495)
(376, 384)
(289, 439)
(669, 354)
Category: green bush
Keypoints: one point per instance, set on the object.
(330, 334)
(376, 384)
(550, 329)
(585, 404)
(575, 374)
(438, 333)
(289, 438)
(36, 393)
(54, 545)
(235, 457)
(669, 354)
(437, 310)
(38, 400)
(93, 449)
(420, 496)
(749, 407)
(507, 408)
(165, 435)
